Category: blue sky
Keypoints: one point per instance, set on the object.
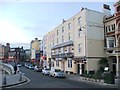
(22, 22)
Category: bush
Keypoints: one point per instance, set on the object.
(109, 78)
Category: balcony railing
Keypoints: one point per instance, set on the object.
(69, 43)
(65, 55)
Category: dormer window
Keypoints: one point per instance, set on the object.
(118, 8)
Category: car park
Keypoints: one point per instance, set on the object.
(46, 71)
(57, 73)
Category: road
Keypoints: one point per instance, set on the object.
(37, 80)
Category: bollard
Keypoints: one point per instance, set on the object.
(20, 77)
(4, 80)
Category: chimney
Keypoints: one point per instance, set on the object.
(36, 38)
(64, 20)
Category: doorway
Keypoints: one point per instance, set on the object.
(114, 68)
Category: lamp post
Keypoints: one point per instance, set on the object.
(118, 53)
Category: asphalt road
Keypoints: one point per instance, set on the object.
(37, 80)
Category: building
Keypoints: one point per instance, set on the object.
(2, 52)
(35, 50)
(16, 54)
(76, 45)
(27, 55)
(112, 38)
(6, 50)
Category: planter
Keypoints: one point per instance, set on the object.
(98, 80)
(101, 81)
(94, 80)
(87, 78)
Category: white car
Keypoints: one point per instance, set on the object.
(38, 69)
(19, 65)
(57, 73)
(46, 71)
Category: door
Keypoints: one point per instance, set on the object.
(78, 66)
(83, 68)
(114, 69)
(63, 66)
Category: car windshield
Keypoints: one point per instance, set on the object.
(47, 69)
(57, 70)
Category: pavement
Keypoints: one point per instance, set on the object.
(77, 77)
(11, 81)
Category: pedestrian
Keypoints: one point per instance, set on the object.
(15, 69)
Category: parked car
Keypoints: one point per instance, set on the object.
(38, 69)
(31, 66)
(19, 65)
(57, 73)
(46, 71)
(26, 65)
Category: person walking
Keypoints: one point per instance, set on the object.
(15, 69)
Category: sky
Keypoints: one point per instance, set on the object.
(21, 22)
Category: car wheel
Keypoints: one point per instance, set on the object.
(49, 75)
(55, 76)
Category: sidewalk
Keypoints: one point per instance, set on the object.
(11, 80)
(77, 77)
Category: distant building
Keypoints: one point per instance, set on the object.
(6, 50)
(27, 55)
(2, 47)
(35, 50)
(17, 54)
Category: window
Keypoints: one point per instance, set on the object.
(79, 47)
(113, 27)
(68, 49)
(111, 43)
(57, 32)
(57, 51)
(62, 38)
(57, 63)
(70, 63)
(57, 41)
(118, 8)
(79, 20)
(119, 26)
(62, 50)
(69, 26)
(79, 30)
(62, 29)
(69, 36)
(108, 28)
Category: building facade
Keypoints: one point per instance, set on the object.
(112, 39)
(6, 50)
(27, 54)
(35, 51)
(76, 45)
(2, 52)
(16, 54)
